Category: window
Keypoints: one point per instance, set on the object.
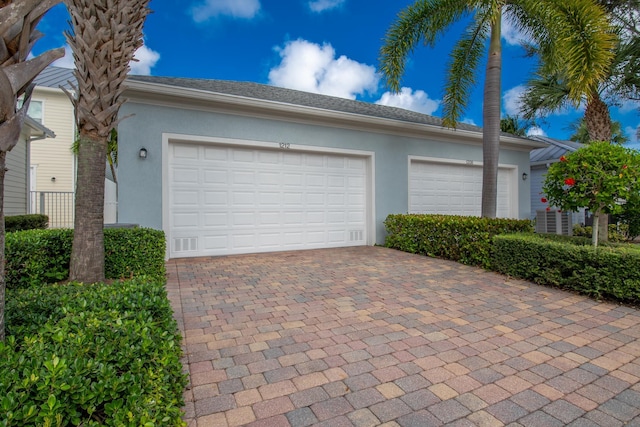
(35, 110)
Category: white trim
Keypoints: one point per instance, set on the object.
(168, 138)
(514, 211)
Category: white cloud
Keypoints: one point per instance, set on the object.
(415, 101)
(322, 5)
(510, 33)
(313, 68)
(511, 100)
(536, 131)
(147, 59)
(628, 106)
(67, 60)
(632, 133)
(245, 9)
(469, 122)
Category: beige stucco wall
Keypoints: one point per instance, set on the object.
(53, 157)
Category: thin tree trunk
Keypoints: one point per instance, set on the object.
(87, 258)
(491, 125)
(3, 158)
(595, 229)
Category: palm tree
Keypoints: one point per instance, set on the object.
(580, 133)
(549, 91)
(106, 34)
(513, 125)
(18, 21)
(575, 30)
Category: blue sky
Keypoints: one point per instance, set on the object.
(324, 46)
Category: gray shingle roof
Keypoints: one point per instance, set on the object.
(553, 152)
(296, 97)
(56, 77)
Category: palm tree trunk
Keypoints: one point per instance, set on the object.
(597, 118)
(491, 124)
(87, 258)
(3, 158)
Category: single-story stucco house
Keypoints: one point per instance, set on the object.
(227, 167)
(541, 159)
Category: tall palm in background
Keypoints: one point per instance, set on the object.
(18, 34)
(106, 34)
(549, 90)
(575, 30)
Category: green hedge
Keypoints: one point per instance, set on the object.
(609, 272)
(25, 222)
(458, 238)
(34, 257)
(616, 233)
(91, 355)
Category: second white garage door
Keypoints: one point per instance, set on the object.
(230, 200)
(455, 189)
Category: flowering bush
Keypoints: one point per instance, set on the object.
(601, 176)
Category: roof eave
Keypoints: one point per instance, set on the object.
(139, 91)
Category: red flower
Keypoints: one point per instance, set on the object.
(570, 182)
(548, 208)
(543, 200)
(624, 167)
(563, 159)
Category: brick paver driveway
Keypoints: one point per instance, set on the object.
(371, 336)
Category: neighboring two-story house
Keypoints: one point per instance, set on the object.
(53, 163)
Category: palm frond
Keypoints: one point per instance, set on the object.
(423, 21)
(544, 95)
(462, 68)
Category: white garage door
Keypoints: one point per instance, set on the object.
(455, 189)
(231, 200)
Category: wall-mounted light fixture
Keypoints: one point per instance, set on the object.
(525, 176)
(142, 153)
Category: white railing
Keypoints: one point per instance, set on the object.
(57, 205)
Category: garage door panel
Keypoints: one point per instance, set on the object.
(226, 200)
(181, 152)
(316, 218)
(215, 154)
(216, 220)
(185, 220)
(295, 180)
(243, 199)
(244, 178)
(243, 156)
(215, 177)
(316, 180)
(270, 198)
(187, 198)
(269, 179)
(185, 175)
(292, 159)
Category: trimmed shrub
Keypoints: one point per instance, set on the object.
(91, 355)
(458, 238)
(133, 252)
(35, 257)
(617, 232)
(25, 222)
(609, 272)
